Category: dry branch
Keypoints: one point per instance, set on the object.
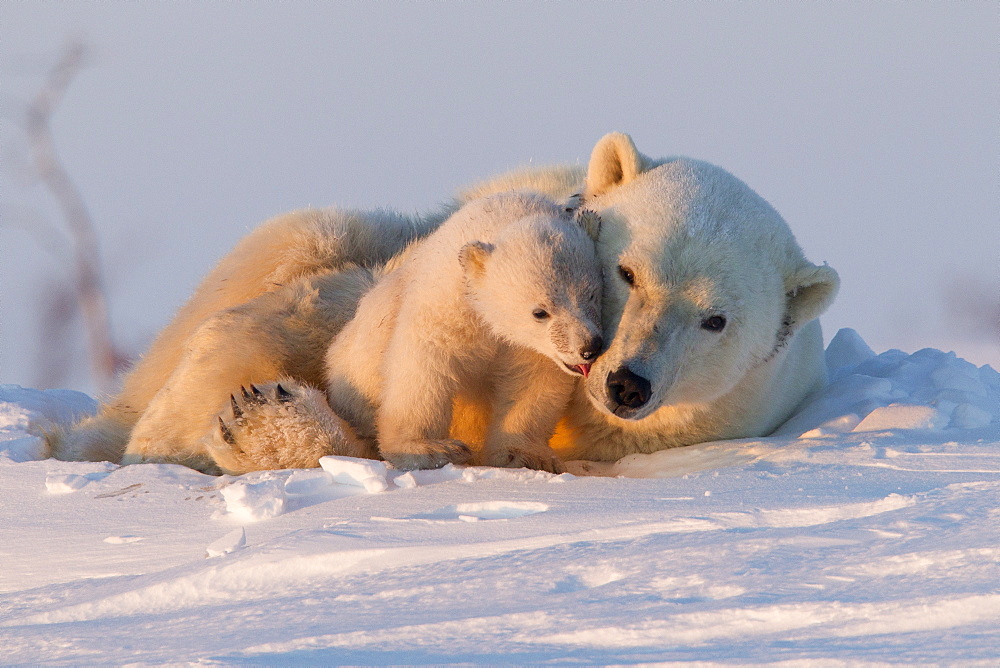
(104, 356)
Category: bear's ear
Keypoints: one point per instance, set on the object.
(810, 292)
(473, 257)
(614, 162)
(590, 222)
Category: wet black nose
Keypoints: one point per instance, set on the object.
(627, 389)
(592, 348)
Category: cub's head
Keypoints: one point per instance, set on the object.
(538, 285)
(704, 281)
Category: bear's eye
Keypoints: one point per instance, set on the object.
(715, 323)
(540, 314)
(627, 274)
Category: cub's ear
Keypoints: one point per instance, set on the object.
(810, 291)
(590, 222)
(473, 257)
(614, 162)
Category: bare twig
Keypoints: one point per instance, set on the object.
(104, 357)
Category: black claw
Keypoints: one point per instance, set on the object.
(227, 435)
(237, 411)
(246, 395)
(282, 394)
(257, 394)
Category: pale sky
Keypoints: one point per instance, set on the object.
(871, 126)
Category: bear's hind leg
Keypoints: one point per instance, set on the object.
(101, 437)
(281, 425)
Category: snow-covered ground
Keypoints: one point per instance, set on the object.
(867, 529)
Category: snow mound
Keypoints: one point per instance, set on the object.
(26, 414)
(928, 390)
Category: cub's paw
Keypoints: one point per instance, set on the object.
(426, 453)
(517, 458)
(280, 425)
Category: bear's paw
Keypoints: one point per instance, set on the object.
(425, 453)
(280, 425)
(518, 458)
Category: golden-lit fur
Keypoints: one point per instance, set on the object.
(693, 241)
(215, 344)
(455, 320)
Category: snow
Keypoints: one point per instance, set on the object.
(865, 530)
(262, 499)
(372, 475)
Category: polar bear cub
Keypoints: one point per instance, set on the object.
(476, 334)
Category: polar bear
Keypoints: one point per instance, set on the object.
(710, 311)
(498, 308)
(710, 307)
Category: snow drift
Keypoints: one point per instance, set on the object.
(865, 529)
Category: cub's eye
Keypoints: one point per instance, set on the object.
(540, 314)
(627, 275)
(715, 323)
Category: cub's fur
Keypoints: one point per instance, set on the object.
(497, 309)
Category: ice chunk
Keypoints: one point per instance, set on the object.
(959, 375)
(307, 481)
(231, 542)
(406, 481)
(902, 416)
(253, 501)
(368, 473)
(967, 416)
(64, 483)
(847, 349)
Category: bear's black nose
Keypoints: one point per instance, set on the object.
(627, 389)
(592, 348)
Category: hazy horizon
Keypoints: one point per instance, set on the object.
(871, 127)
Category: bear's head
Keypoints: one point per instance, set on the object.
(704, 281)
(538, 285)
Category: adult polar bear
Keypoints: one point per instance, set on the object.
(710, 308)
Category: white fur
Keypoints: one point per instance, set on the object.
(698, 241)
(454, 321)
(234, 331)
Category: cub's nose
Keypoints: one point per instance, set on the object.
(627, 389)
(592, 348)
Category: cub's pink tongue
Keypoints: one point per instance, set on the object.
(584, 369)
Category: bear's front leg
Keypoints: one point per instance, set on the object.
(415, 411)
(530, 398)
